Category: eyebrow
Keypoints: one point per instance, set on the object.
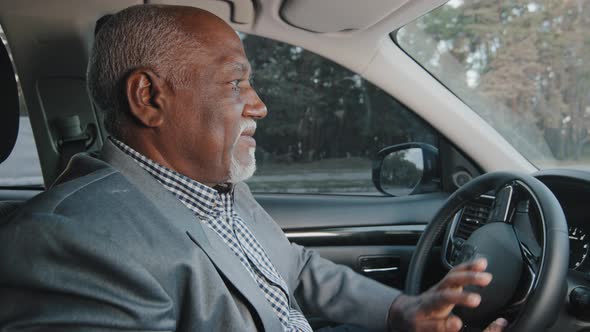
(236, 67)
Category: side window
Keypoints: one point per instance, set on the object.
(22, 168)
(325, 123)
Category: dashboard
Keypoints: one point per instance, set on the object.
(572, 190)
(514, 205)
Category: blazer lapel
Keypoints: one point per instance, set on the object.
(232, 269)
(269, 235)
(219, 253)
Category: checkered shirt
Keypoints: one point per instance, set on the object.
(216, 210)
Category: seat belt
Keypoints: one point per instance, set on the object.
(72, 139)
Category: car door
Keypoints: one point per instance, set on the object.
(316, 153)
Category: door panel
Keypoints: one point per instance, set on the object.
(17, 195)
(295, 212)
(386, 264)
(375, 236)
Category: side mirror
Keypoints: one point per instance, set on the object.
(406, 169)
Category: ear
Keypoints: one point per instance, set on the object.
(147, 94)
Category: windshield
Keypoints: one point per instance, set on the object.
(523, 66)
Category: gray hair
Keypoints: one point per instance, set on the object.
(139, 36)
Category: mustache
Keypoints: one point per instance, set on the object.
(248, 126)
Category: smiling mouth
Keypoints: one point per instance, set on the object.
(248, 132)
(248, 128)
(248, 140)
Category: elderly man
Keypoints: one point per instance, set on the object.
(158, 233)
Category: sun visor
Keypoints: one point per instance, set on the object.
(234, 11)
(337, 15)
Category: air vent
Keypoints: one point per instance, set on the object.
(474, 216)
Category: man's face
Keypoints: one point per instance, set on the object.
(214, 114)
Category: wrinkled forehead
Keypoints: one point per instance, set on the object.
(234, 66)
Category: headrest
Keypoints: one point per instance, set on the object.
(9, 105)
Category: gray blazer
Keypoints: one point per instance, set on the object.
(109, 249)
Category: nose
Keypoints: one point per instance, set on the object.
(254, 108)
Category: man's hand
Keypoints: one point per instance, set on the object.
(431, 310)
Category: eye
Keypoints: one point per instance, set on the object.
(239, 83)
(235, 84)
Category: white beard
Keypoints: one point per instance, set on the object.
(239, 172)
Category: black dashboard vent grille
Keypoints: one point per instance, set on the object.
(474, 216)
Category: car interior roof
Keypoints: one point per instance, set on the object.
(50, 43)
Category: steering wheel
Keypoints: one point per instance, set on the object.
(511, 262)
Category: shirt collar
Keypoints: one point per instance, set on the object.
(201, 199)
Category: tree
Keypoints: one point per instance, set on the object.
(526, 58)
